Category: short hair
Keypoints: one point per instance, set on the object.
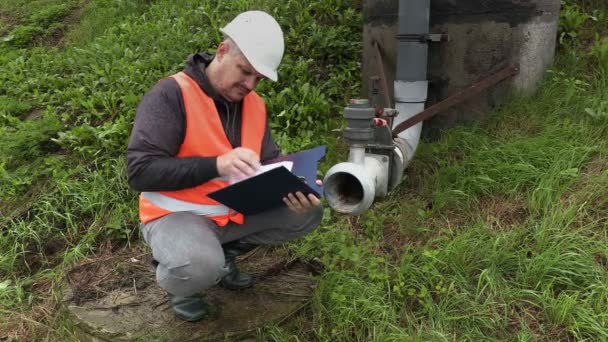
(233, 49)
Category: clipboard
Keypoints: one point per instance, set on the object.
(266, 190)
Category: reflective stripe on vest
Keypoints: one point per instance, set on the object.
(205, 137)
(175, 205)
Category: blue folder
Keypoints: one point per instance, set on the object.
(266, 191)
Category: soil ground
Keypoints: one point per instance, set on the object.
(116, 298)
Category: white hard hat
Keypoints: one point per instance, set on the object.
(260, 38)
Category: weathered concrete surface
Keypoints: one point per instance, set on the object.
(513, 12)
(116, 299)
(484, 34)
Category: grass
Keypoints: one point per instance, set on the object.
(35, 22)
(497, 233)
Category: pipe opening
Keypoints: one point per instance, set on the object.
(343, 191)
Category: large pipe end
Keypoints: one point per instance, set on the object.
(349, 189)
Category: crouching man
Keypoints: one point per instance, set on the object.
(193, 131)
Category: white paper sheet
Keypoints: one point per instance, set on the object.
(265, 168)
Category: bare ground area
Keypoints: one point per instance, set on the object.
(6, 22)
(115, 297)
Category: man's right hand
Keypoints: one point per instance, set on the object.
(239, 163)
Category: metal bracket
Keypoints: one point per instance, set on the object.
(475, 89)
(438, 37)
(424, 38)
(381, 75)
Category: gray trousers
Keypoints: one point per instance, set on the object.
(188, 247)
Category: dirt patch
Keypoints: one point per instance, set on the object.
(17, 326)
(535, 320)
(601, 259)
(414, 223)
(35, 257)
(498, 212)
(116, 297)
(31, 115)
(6, 23)
(19, 208)
(597, 165)
(590, 192)
(394, 241)
(56, 36)
(93, 279)
(594, 167)
(52, 35)
(452, 218)
(501, 212)
(49, 255)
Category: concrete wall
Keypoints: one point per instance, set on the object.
(484, 34)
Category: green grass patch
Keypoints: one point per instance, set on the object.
(34, 21)
(99, 16)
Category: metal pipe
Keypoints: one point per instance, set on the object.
(412, 52)
(356, 154)
(351, 187)
(410, 82)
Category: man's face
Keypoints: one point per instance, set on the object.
(237, 77)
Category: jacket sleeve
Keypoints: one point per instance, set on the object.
(158, 132)
(270, 150)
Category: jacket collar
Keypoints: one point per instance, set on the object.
(195, 68)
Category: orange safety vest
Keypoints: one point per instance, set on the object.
(205, 137)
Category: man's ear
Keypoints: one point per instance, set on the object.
(221, 51)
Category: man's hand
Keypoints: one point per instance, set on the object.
(299, 203)
(238, 163)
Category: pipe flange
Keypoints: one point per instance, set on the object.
(358, 135)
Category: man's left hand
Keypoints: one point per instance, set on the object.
(299, 203)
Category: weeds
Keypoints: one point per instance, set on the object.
(345, 315)
(39, 20)
(571, 20)
(427, 263)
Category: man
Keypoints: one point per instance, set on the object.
(193, 132)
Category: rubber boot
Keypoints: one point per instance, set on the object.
(236, 280)
(191, 308)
